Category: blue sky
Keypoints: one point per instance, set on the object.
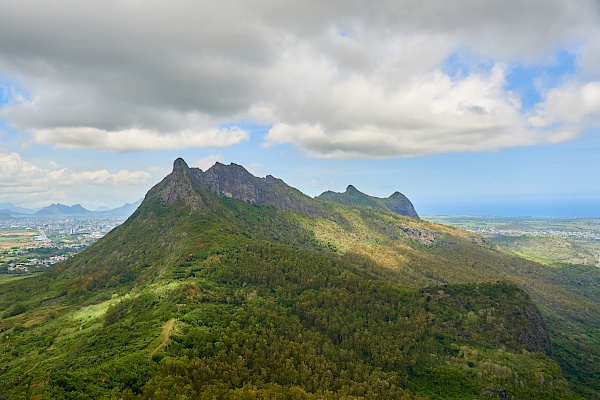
(470, 108)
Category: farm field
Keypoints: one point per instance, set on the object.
(16, 239)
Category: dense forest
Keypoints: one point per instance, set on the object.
(201, 296)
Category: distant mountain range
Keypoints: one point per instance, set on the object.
(9, 210)
(12, 209)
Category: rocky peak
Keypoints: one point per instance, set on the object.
(400, 204)
(397, 202)
(231, 180)
(179, 165)
(178, 186)
(192, 186)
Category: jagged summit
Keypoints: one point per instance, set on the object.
(190, 185)
(397, 202)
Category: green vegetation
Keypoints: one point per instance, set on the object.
(218, 298)
(552, 251)
(13, 277)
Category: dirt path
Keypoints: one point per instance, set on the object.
(165, 335)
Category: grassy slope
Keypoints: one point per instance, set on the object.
(214, 292)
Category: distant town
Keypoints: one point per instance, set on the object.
(579, 231)
(33, 244)
(562, 227)
(563, 234)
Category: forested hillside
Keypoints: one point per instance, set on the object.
(200, 294)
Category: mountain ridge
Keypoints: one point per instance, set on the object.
(62, 210)
(397, 202)
(12, 208)
(234, 181)
(57, 209)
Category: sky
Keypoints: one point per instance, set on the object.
(470, 107)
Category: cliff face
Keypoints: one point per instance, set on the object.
(179, 185)
(534, 333)
(236, 182)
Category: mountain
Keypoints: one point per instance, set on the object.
(124, 211)
(397, 202)
(58, 209)
(61, 210)
(225, 285)
(10, 208)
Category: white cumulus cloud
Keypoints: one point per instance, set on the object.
(24, 183)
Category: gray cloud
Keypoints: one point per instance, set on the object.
(336, 78)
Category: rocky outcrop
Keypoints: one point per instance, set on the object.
(192, 185)
(178, 186)
(400, 204)
(421, 235)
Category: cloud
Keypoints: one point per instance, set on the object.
(318, 184)
(14, 169)
(23, 182)
(138, 139)
(569, 109)
(336, 78)
(434, 114)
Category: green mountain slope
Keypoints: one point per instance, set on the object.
(223, 285)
